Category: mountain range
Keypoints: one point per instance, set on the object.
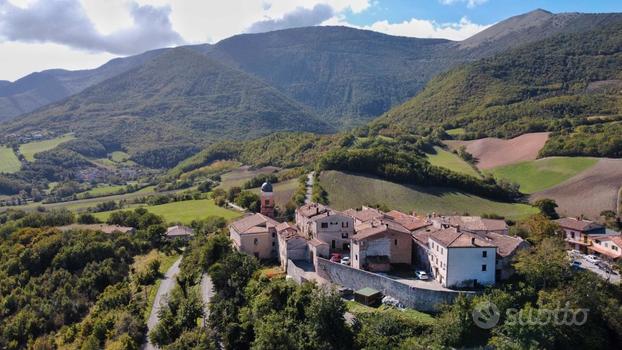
(317, 79)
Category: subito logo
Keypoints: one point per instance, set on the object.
(486, 315)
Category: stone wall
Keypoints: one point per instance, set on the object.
(426, 300)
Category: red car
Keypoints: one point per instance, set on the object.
(335, 257)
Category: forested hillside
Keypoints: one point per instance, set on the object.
(553, 85)
(179, 98)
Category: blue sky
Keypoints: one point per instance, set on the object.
(490, 11)
(95, 31)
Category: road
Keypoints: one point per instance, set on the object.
(615, 279)
(166, 286)
(207, 292)
(309, 187)
(236, 207)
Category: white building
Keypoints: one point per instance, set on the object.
(461, 259)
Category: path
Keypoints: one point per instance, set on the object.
(309, 187)
(236, 207)
(166, 286)
(207, 292)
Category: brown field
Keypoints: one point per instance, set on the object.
(492, 152)
(590, 192)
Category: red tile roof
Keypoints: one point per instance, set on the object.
(256, 223)
(577, 224)
(410, 222)
(452, 238)
(376, 227)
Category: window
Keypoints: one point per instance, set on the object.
(484, 254)
(614, 247)
(483, 267)
(572, 235)
(344, 235)
(333, 244)
(345, 224)
(273, 244)
(273, 234)
(356, 257)
(256, 241)
(325, 225)
(396, 242)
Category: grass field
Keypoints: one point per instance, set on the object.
(118, 156)
(351, 191)
(185, 211)
(451, 161)
(239, 176)
(104, 190)
(8, 160)
(30, 149)
(538, 175)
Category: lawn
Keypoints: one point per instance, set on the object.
(451, 161)
(30, 149)
(8, 160)
(352, 191)
(407, 314)
(538, 175)
(185, 211)
(119, 157)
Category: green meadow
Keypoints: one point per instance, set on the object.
(8, 160)
(538, 175)
(28, 150)
(451, 161)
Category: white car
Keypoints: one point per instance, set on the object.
(422, 275)
(345, 260)
(592, 258)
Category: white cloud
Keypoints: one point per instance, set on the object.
(421, 28)
(470, 3)
(20, 59)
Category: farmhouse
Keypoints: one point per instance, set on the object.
(578, 232)
(179, 232)
(608, 247)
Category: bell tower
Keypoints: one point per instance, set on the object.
(267, 200)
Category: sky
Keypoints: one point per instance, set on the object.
(79, 34)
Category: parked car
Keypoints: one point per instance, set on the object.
(592, 258)
(335, 257)
(422, 275)
(605, 267)
(575, 264)
(345, 260)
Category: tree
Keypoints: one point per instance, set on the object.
(538, 227)
(547, 207)
(249, 200)
(544, 265)
(87, 219)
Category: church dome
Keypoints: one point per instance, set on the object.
(266, 187)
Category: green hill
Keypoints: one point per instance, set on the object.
(538, 175)
(353, 190)
(180, 98)
(553, 85)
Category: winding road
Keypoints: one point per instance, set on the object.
(166, 286)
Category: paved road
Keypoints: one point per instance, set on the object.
(207, 292)
(615, 279)
(166, 286)
(309, 187)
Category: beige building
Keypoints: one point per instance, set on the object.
(380, 243)
(608, 247)
(578, 232)
(317, 221)
(292, 246)
(256, 235)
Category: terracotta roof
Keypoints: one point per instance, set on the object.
(97, 227)
(316, 242)
(452, 238)
(422, 236)
(605, 251)
(312, 209)
(506, 245)
(364, 215)
(578, 225)
(255, 223)
(410, 222)
(287, 231)
(376, 227)
(475, 223)
(178, 231)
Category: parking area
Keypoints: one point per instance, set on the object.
(592, 266)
